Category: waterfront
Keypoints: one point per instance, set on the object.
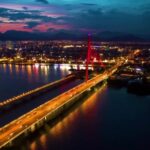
(109, 119)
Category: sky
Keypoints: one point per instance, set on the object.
(125, 16)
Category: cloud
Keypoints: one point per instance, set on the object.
(88, 4)
(14, 26)
(43, 1)
(81, 17)
(32, 24)
(111, 20)
(25, 8)
(25, 15)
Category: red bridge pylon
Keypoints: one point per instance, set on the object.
(91, 56)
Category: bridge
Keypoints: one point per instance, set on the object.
(48, 111)
(37, 91)
(34, 119)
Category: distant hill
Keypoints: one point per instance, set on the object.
(117, 36)
(19, 35)
(68, 35)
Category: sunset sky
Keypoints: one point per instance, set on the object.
(129, 16)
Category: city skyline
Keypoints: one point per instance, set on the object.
(70, 16)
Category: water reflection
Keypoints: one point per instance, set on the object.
(91, 102)
(66, 124)
(26, 77)
(71, 66)
(33, 146)
(43, 141)
(63, 67)
(45, 72)
(106, 118)
(4, 67)
(23, 69)
(10, 69)
(17, 69)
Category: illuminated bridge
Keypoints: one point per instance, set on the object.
(34, 119)
(29, 94)
(48, 111)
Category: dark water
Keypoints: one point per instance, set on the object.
(110, 119)
(50, 74)
(15, 79)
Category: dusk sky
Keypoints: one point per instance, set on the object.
(127, 16)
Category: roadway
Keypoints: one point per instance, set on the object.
(20, 108)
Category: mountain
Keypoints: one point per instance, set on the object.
(68, 35)
(117, 36)
(19, 35)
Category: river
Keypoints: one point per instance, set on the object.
(110, 119)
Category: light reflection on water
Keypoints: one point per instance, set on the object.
(33, 146)
(21, 78)
(110, 119)
(43, 140)
(84, 108)
(64, 125)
